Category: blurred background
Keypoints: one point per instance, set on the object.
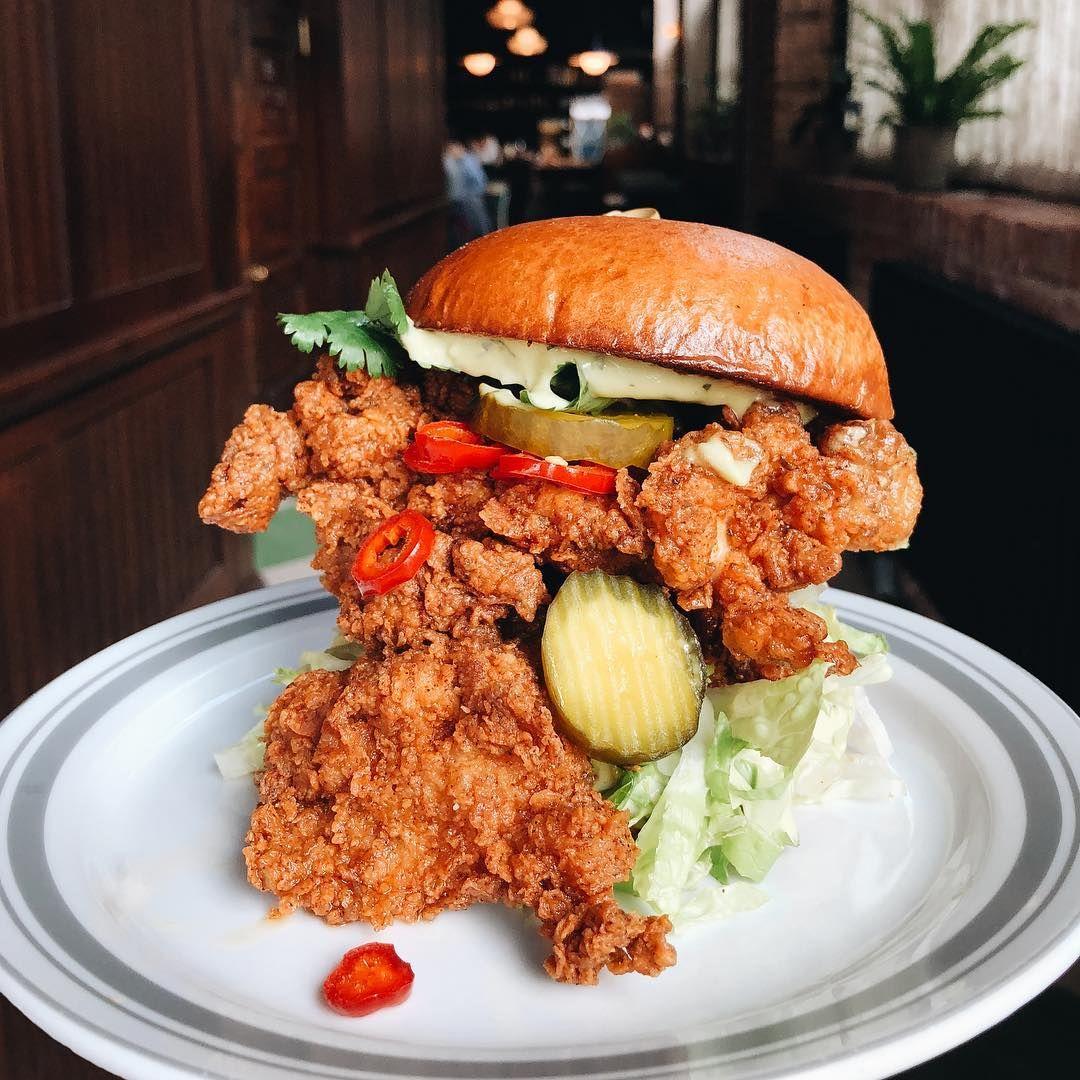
(172, 175)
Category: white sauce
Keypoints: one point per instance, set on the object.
(532, 365)
(716, 454)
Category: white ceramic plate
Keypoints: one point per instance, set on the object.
(894, 932)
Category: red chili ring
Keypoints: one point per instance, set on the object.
(416, 536)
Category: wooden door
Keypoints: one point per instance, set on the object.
(270, 227)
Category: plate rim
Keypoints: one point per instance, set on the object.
(954, 1025)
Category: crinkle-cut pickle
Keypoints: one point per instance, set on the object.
(623, 668)
(613, 439)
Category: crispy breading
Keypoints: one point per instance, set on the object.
(263, 459)
(464, 585)
(454, 502)
(741, 547)
(356, 427)
(449, 396)
(433, 779)
(571, 529)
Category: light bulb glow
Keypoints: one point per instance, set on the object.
(527, 41)
(479, 63)
(594, 61)
(509, 15)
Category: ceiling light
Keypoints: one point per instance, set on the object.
(479, 63)
(527, 41)
(594, 61)
(509, 15)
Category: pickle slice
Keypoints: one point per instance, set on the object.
(615, 439)
(623, 668)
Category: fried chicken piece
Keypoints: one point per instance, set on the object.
(573, 530)
(263, 459)
(453, 502)
(344, 514)
(448, 395)
(432, 779)
(760, 627)
(357, 427)
(464, 585)
(742, 546)
(873, 494)
(343, 427)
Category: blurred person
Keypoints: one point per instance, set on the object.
(487, 149)
(466, 185)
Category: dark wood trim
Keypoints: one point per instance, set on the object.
(359, 238)
(27, 390)
(756, 109)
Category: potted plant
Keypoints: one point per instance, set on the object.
(928, 110)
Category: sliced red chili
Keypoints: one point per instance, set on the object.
(369, 977)
(595, 479)
(412, 534)
(449, 446)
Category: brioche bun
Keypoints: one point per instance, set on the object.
(695, 298)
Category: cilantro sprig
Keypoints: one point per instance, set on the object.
(369, 339)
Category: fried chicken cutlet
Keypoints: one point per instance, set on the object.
(431, 779)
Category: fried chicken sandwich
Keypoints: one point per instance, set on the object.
(575, 497)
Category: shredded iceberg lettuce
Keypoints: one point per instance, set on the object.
(722, 807)
(246, 756)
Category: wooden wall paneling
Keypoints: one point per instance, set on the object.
(35, 277)
(135, 190)
(402, 90)
(128, 90)
(98, 501)
(319, 113)
(271, 233)
(380, 173)
(220, 54)
(365, 132)
(432, 127)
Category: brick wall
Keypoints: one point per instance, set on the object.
(804, 30)
(1024, 251)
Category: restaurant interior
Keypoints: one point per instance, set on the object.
(173, 175)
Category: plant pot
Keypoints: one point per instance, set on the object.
(924, 157)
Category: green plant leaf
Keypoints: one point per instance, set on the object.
(308, 332)
(908, 48)
(982, 114)
(366, 340)
(989, 38)
(351, 336)
(384, 305)
(921, 59)
(361, 345)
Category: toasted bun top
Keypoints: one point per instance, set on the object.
(692, 297)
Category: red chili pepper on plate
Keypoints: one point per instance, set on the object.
(449, 446)
(594, 479)
(409, 531)
(369, 977)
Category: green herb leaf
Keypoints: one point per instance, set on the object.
(384, 305)
(363, 345)
(308, 332)
(366, 340)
